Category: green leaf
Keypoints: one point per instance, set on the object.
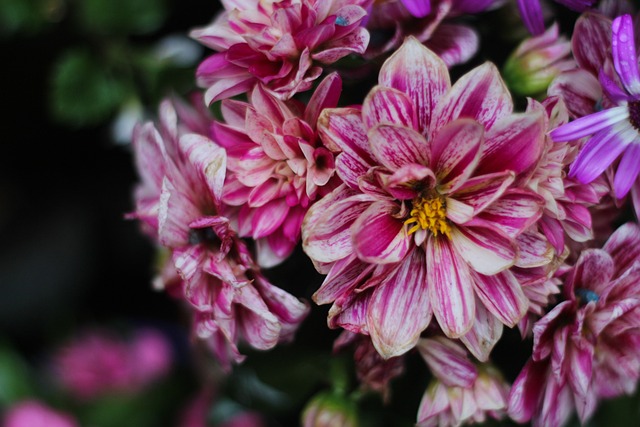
(84, 92)
(15, 381)
(27, 16)
(121, 16)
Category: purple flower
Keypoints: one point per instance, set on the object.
(277, 166)
(614, 132)
(427, 220)
(282, 44)
(587, 347)
(531, 12)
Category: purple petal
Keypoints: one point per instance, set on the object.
(589, 125)
(502, 295)
(399, 309)
(531, 13)
(421, 74)
(418, 8)
(454, 43)
(628, 170)
(396, 146)
(600, 151)
(378, 236)
(450, 288)
(623, 49)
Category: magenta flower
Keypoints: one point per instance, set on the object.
(231, 300)
(461, 392)
(100, 362)
(391, 21)
(277, 165)
(427, 219)
(531, 12)
(614, 132)
(587, 347)
(282, 44)
(33, 413)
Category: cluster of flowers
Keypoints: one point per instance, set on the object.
(437, 212)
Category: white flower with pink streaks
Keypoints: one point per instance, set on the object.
(283, 44)
(428, 217)
(587, 347)
(277, 165)
(461, 392)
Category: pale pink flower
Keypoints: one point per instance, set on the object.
(428, 218)
(99, 362)
(434, 25)
(33, 413)
(461, 391)
(230, 299)
(588, 346)
(277, 166)
(283, 44)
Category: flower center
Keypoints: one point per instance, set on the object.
(634, 114)
(429, 213)
(586, 296)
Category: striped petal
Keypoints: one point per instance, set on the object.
(450, 288)
(396, 146)
(421, 74)
(502, 295)
(388, 106)
(378, 236)
(484, 334)
(399, 309)
(448, 361)
(485, 249)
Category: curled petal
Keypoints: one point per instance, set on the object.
(378, 236)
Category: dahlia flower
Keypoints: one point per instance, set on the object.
(615, 132)
(461, 392)
(531, 12)
(230, 298)
(277, 166)
(435, 26)
(427, 219)
(282, 44)
(588, 346)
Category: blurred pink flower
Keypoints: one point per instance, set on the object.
(283, 44)
(588, 346)
(428, 219)
(277, 166)
(99, 362)
(33, 413)
(196, 413)
(461, 392)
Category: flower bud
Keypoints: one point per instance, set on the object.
(536, 62)
(330, 410)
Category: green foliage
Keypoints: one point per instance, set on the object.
(15, 377)
(26, 16)
(121, 16)
(84, 91)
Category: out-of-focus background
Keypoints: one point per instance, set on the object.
(76, 301)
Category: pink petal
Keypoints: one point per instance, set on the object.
(448, 362)
(210, 160)
(453, 43)
(379, 237)
(268, 218)
(421, 74)
(579, 89)
(502, 295)
(388, 106)
(514, 212)
(342, 129)
(480, 94)
(343, 276)
(450, 288)
(456, 151)
(325, 96)
(481, 191)
(399, 309)
(590, 41)
(484, 334)
(485, 250)
(396, 146)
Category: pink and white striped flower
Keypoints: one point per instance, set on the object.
(277, 165)
(588, 346)
(461, 391)
(230, 298)
(428, 217)
(283, 44)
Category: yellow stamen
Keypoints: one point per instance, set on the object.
(429, 213)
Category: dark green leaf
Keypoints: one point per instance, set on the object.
(121, 16)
